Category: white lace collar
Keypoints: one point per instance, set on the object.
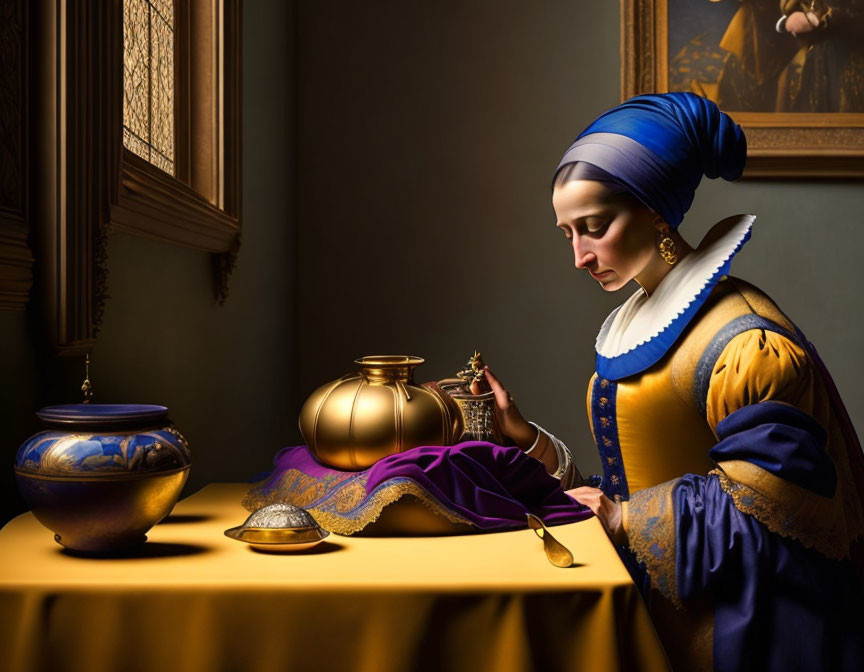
(640, 331)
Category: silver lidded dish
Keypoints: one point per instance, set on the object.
(279, 527)
(101, 475)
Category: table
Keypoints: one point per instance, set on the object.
(195, 600)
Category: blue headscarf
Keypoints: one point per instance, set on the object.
(659, 146)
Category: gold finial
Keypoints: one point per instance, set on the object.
(474, 369)
(87, 386)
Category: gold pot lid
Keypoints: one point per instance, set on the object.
(279, 527)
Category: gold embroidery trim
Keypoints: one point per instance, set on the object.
(350, 523)
(785, 508)
(337, 501)
(295, 487)
(651, 533)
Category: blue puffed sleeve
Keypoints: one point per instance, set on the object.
(777, 605)
(766, 536)
(782, 440)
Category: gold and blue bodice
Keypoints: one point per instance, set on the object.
(735, 446)
(646, 433)
(662, 423)
(659, 423)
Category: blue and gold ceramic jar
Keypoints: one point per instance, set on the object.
(101, 475)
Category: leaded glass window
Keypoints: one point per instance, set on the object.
(148, 81)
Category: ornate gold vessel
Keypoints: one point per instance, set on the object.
(353, 422)
(477, 420)
(100, 475)
(476, 408)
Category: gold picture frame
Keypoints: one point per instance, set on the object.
(780, 144)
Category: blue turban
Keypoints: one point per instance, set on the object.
(658, 146)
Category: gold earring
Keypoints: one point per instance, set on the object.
(667, 248)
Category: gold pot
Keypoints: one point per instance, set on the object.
(476, 411)
(353, 422)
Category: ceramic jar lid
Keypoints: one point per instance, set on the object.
(103, 415)
(103, 441)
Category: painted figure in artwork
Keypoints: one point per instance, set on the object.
(732, 476)
(802, 56)
(826, 72)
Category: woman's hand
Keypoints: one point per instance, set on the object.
(799, 23)
(508, 417)
(607, 511)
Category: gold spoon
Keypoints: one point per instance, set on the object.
(556, 552)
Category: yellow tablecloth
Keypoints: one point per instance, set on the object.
(196, 600)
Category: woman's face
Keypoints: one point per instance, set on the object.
(612, 234)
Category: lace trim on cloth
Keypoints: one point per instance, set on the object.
(785, 508)
(341, 504)
(639, 332)
(349, 521)
(651, 533)
(296, 488)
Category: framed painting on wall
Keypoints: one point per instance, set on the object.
(799, 97)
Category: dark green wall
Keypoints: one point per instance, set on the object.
(427, 136)
(227, 373)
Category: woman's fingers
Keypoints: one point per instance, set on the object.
(502, 397)
(585, 491)
(509, 419)
(608, 512)
(587, 496)
(493, 381)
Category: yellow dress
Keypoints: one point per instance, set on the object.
(723, 438)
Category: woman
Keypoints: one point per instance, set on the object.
(731, 473)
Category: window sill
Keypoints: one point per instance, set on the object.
(166, 210)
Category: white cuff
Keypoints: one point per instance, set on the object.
(566, 472)
(537, 438)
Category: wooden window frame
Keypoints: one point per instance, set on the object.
(16, 259)
(92, 185)
(199, 208)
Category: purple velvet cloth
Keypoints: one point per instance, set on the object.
(491, 486)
